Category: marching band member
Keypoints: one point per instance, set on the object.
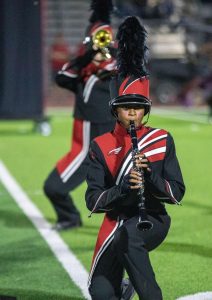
(113, 182)
(88, 76)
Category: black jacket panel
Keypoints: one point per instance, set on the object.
(163, 184)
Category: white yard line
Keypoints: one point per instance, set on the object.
(69, 261)
(179, 115)
(198, 296)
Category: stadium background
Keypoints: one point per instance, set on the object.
(178, 31)
(35, 128)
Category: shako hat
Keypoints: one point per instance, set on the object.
(130, 84)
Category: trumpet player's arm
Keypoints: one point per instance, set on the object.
(166, 186)
(102, 194)
(106, 68)
(69, 75)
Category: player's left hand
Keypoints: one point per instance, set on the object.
(142, 162)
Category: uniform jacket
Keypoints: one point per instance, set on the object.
(91, 87)
(110, 160)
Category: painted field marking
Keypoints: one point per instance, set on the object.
(69, 261)
(198, 296)
(179, 115)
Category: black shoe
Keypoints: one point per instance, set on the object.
(127, 290)
(65, 225)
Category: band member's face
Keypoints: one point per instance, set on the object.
(125, 114)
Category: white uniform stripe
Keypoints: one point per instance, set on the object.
(171, 193)
(74, 165)
(129, 157)
(88, 87)
(110, 67)
(68, 168)
(71, 75)
(153, 140)
(149, 153)
(128, 169)
(131, 84)
(65, 66)
(100, 197)
(65, 256)
(147, 136)
(155, 151)
(103, 248)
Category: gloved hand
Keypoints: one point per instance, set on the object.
(82, 61)
(125, 184)
(131, 181)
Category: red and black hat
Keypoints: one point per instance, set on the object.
(100, 18)
(130, 91)
(130, 85)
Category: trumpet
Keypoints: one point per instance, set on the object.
(102, 39)
(143, 222)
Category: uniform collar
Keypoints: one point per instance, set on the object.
(122, 131)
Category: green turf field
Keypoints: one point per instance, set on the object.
(29, 270)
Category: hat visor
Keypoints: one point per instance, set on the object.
(131, 100)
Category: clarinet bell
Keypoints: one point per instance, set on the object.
(144, 225)
(143, 222)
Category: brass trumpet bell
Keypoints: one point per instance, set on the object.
(102, 39)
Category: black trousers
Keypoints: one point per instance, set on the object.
(129, 251)
(58, 191)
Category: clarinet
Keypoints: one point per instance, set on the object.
(143, 222)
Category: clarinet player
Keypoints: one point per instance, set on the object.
(114, 179)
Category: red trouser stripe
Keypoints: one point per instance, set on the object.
(105, 237)
(80, 146)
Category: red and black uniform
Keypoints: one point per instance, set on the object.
(120, 245)
(92, 117)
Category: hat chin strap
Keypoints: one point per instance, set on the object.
(147, 117)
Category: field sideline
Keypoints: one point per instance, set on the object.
(29, 270)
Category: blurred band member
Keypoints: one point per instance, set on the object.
(88, 77)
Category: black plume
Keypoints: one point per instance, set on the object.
(132, 49)
(101, 11)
